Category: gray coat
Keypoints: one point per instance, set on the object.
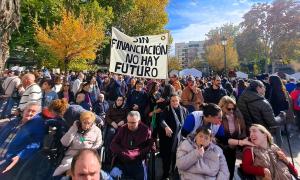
(259, 110)
(191, 165)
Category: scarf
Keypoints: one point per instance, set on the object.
(268, 158)
(177, 134)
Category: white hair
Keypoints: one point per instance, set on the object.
(134, 113)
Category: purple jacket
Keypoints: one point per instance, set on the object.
(132, 145)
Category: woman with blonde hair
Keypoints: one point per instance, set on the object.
(266, 160)
(234, 131)
(83, 134)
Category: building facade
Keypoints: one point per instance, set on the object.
(187, 53)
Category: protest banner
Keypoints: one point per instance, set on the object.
(141, 56)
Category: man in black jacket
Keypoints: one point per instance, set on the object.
(256, 109)
(215, 92)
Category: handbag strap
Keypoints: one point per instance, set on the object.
(9, 84)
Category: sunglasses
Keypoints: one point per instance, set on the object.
(230, 109)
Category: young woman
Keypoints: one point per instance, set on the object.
(94, 89)
(278, 98)
(66, 93)
(266, 160)
(199, 158)
(210, 117)
(234, 131)
(48, 94)
(70, 113)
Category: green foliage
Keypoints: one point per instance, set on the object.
(134, 17)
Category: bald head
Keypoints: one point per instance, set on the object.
(86, 165)
(28, 79)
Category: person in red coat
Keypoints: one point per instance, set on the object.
(266, 160)
(295, 95)
(130, 145)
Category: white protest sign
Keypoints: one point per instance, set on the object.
(141, 56)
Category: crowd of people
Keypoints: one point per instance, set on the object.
(197, 126)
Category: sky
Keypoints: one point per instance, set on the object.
(190, 20)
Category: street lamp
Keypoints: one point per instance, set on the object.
(224, 43)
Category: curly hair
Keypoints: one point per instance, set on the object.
(59, 106)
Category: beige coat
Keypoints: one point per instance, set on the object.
(76, 141)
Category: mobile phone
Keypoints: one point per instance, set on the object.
(80, 130)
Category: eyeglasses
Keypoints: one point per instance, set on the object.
(230, 109)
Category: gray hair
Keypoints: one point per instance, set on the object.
(30, 104)
(254, 84)
(134, 113)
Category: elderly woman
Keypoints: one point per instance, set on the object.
(116, 117)
(234, 131)
(82, 134)
(199, 158)
(266, 160)
(171, 121)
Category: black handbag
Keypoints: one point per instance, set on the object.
(16, 95)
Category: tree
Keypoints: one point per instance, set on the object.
(214, 52)
(174, 64)
(215, 56)
(23, 43)
(9, 21)
(146, 18)
(73, 38)
(214, 35)
(276, 25)
(136, 18)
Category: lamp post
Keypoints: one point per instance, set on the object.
(224, 43)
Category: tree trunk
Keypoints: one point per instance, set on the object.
(9, 21)
(66, 62)
(4, 50)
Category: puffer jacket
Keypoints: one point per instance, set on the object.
(191, 165)
(256, 109)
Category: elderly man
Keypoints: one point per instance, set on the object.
(20, 139)
(131, 145)
(32, 93)
(100, 107)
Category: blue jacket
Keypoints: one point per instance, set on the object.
(28, 139)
